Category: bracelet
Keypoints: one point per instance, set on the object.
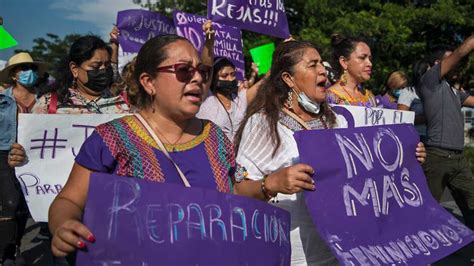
(265, 192)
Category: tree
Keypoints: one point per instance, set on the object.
(52, 51)
(399, 32)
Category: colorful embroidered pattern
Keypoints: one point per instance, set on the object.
(336, 97)
(132, 147)
(134, 156)
(221, 158)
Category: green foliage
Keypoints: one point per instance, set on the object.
(399, 32)
(52, 50)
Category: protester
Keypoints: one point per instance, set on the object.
(85, 87)
(353, 61)
(22, 72)
(410, 101)
(395, 84)
(446, 164)
(226, 104)
(170, 84)
(293, 99)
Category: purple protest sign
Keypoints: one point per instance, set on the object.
(138, 26)
(138, 222)
(228, 40)
(372, 204)
(267, 17)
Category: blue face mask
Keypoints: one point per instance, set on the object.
(396, 93)
(28, 78)
(308, 104)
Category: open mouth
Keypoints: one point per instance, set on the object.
(322, 83)
(194, 95)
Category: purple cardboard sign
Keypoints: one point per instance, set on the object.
(138, 26)
(266, 17)
(372, 205)
(138, 222)
(227, 43)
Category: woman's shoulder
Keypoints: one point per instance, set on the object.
(118, 122)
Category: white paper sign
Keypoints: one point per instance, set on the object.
(358, 116)
(51, 142)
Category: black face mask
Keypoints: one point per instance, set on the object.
(99, 80)
(227, 87)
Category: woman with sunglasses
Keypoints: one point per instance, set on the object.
(22, 72)
(170, 83)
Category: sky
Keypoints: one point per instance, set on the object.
(26, 20)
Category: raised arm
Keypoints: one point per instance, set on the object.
(207, 55)
(448, 63)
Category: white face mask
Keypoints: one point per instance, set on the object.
(308, 104)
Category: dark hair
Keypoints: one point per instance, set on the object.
(343, 46)
(219, 64)
(150, 56)
(419, 69)
(437, 53)
(273, 94)
(81, 50)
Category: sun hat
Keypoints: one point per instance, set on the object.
(16, 60)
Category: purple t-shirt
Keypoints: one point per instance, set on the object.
(191, 157)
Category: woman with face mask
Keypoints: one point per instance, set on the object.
(353, 61)
(292, 99)
(396, 83)
(85, 88)
(22, 72)
(226, 103)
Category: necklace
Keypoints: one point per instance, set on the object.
(300, 120)
(155, 128)
(348, 94)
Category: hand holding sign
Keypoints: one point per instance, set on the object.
(67, 238)
(290, 180)
(17, 155)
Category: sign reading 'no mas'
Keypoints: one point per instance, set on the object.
(262, 16)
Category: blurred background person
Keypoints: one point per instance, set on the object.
(22, 73)
(353, 61)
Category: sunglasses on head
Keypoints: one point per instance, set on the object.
(185, 72)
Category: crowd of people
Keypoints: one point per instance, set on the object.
(193, 123)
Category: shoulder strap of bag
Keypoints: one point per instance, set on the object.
(162, 147)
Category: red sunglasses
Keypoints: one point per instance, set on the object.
(185, 72)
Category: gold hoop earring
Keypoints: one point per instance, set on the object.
(344, 78)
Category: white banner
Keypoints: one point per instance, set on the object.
(358, 116)
(51, 142)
